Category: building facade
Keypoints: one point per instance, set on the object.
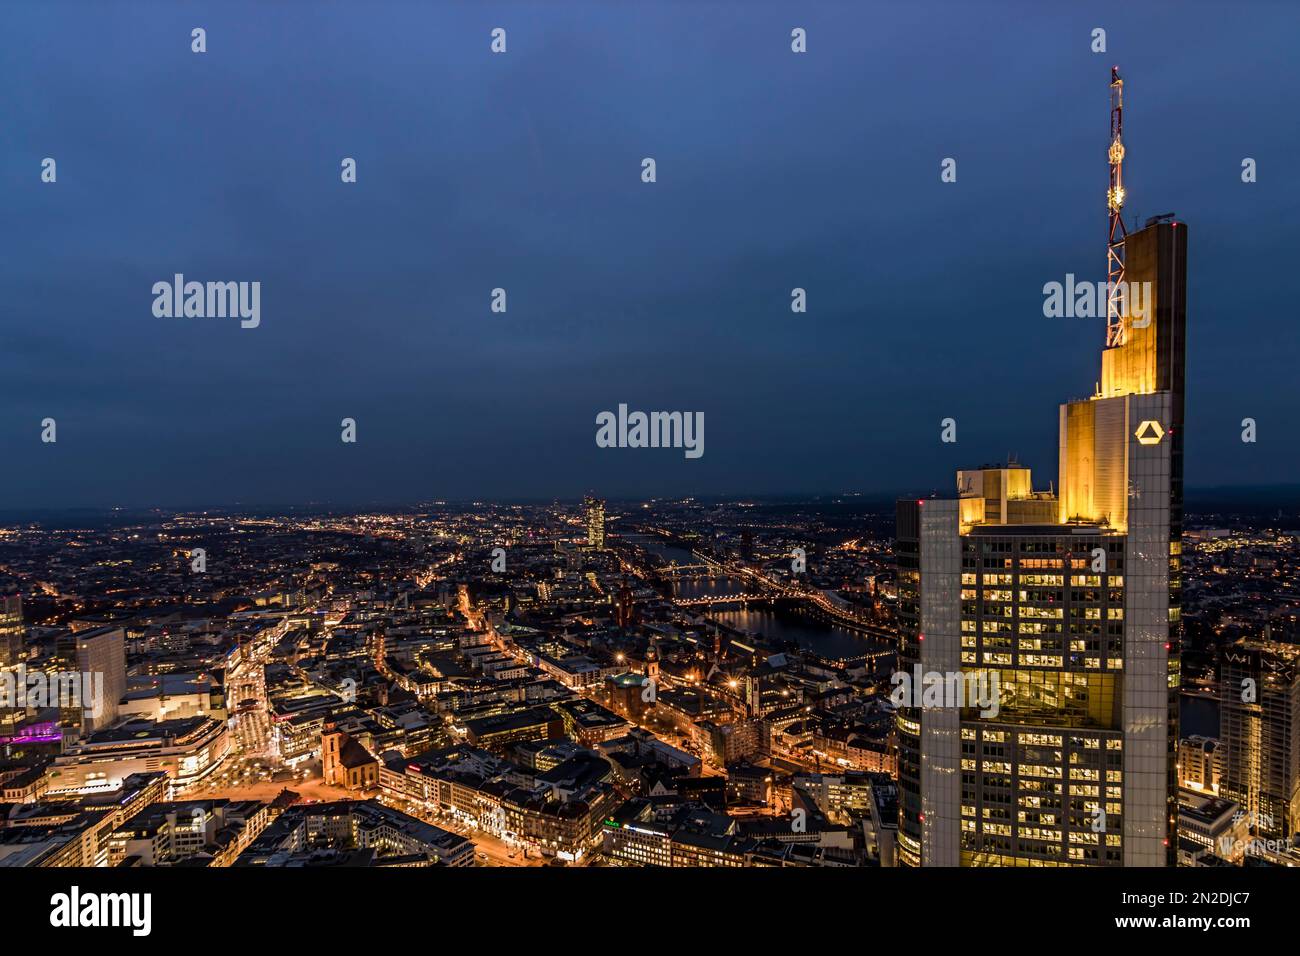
(12, 632)
(1259, 734)
(595, 508)
(1066, 608)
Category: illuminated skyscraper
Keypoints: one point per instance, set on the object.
(11, 630)
(1070, 603)
(100, 652)
(595, 522)
(1259, 734)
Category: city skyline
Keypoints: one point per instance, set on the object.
(717, 436)
(244, 637)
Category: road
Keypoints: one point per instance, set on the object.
(246, 697)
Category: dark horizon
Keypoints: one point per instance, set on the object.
(1254, 500)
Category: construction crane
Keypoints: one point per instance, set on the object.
(1115, 332)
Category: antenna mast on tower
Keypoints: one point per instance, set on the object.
(1115, 334)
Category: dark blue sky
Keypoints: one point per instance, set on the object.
(522, 170)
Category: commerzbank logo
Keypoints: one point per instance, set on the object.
(1149, 433)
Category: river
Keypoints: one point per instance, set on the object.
(826, 640)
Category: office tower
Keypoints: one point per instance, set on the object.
(101, 650)
(1259, 734)
(595, 522)
(12, 645)
(1068, 605)
(1198, 762)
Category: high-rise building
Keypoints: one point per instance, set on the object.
(1259, 734)
(1198, 762)
(595, 522)
(99, 651)
(11, 630)
(1066, 606)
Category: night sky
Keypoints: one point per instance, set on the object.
(523, 171)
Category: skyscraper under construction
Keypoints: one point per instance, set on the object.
(1070, 602)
